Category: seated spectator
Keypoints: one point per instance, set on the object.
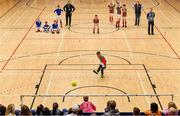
(2, 110)
(87, 106)
(38, 25)
(171, 110)
(10, 111)
(55, 27)
(112, 109)
(74, 110)
(39, 110)
(136, 111)
(107, 107)
(46, 27)
(55, 110)
(25, 111)
(153, 111)
(46, 111)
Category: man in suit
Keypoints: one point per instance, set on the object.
(150, 18)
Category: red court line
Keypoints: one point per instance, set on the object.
(21, 41)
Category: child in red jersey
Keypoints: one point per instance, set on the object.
(96, 24)
(124, 15)
(102, 65)
(111, 12)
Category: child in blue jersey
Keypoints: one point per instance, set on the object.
(58, 12)
(55, 27)
(38, 25)
(46, 27)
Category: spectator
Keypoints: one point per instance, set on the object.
(46, 111)
(153, 111)
(171, 110)
(2, 109)
(107, 108)
(55, 110)
(136, 111)
(113, 110)
(137, 8)
(39, 110)
(25, 111)
(87, 106)
(75, 110)
(10, 111)
(150, 17)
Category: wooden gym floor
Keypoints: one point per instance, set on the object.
(136, 61)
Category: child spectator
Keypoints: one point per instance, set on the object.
(87, 106)
(55, 110)
(55, 27)
(46, 27)
(171, 110)
(39, 110)
(136, 111)
(96, 24)
(46, 112)
(38, 25)
(2, 109)
(113, 111)
(10, 111)
(153, 111)
(25, 111)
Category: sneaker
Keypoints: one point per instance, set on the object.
(95, 72)
(102, 76)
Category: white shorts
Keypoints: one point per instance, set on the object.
(118, 16)
(111, 14)
(124, 18)
(58, 17)
(96, 25)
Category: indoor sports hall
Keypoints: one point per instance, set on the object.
(39, 68)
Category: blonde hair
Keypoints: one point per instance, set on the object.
(10, 109)
(172, 104)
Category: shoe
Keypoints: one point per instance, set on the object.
(52, 32)
(95, 72)
(57, 32)
(102, 76)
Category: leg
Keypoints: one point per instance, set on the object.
(61, 23)
(148, 27)
(152, 28)
(99, 68)
(70, 15)
(66, 19)
(94, 28)
(138, 20)
(135, 20)
(98, 28)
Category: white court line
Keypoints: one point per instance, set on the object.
(58, 53)
(142, 86)
(127, 43)
(1, 38)
(139, 77)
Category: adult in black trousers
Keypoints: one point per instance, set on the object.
(137, 7)
(68, 8)
(150, 17)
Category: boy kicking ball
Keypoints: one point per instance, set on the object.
(102, 64)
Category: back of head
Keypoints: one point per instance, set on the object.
(39, 109)
(25, 110)
(136, 111)
(55, 106)
(86, 98)
(112, 104)
(2, 109)
(75, 109)
(10, 109)
(46, 111)
(154, 107)
(172, 104)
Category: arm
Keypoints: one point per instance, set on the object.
(64, 8)
(73, 8)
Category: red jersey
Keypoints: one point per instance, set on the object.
(124, 12)
(103, 60)
(111, 8)
(96, 20)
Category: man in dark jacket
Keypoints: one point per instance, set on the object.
(68, 8)
(150, 18)
(137, 7)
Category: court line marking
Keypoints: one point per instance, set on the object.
(21, 42)
(127, 43)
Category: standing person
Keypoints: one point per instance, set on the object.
(124, 15)
(102, 65)
(58, 12)
(68, 8)
(38, 25)
(137, 8)
(150, 17)
(119, 7)
(87, 106)
(96, 24)
(111, 12)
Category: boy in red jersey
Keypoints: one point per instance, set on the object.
(96, 24)
(124, 15)
(102, 65)
(111, 12)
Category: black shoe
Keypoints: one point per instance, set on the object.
(52, 32)
(57, 32)
(95, 72)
